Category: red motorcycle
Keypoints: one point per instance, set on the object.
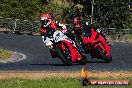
(96, 45)
(64, 48)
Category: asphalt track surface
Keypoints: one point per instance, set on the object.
(39, 59)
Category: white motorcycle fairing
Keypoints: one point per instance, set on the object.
(57, 36)
(47, 41)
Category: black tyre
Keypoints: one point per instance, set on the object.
(64, 55)
(53, 53)
(102, 55)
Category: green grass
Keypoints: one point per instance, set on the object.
(50, 83)
(4, 54)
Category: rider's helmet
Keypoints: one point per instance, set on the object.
(77, 20)
(45, 19)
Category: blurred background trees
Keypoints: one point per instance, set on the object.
(107, 13)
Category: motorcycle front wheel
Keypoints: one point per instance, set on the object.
(102, 55)
(64, 54)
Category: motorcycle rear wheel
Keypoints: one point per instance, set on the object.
(64, 55)
(83, 60)
(102, 55)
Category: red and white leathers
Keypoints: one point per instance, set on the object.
(47, 24)
(77, 22)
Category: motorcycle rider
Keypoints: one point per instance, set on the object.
(47, 24)
(47, 27)
(79, 26)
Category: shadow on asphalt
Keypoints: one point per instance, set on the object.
(66, 65)
(96, 62)
(52, 64)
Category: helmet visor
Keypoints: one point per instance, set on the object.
(44, 22)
